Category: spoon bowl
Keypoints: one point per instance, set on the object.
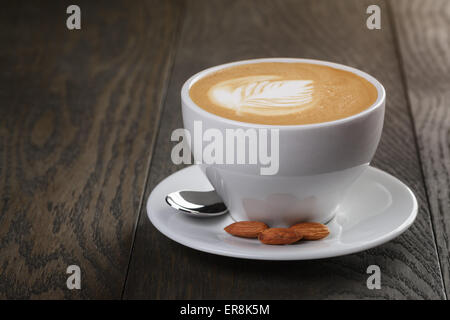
(200, 204)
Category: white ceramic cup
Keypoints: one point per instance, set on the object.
(317, 162)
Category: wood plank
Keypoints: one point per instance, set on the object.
(216, 32)
(78, 118)
(424, 43)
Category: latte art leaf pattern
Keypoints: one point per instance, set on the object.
(262, 92)
(288, 93)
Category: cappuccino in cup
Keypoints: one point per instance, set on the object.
(280, 93)
(328, 119)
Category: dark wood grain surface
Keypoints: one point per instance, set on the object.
(424, 43)
(78, 118)
(329, 30)
(85, 124)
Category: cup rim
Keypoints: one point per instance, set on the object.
(185, 97)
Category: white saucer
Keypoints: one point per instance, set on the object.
(378, 208)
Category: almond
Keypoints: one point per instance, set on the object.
(311, 230)
(246, 229)
(279, 236)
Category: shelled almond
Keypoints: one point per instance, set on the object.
(246, 229)
(311, 230)
(279, 236)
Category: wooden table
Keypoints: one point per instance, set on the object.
(85, 123)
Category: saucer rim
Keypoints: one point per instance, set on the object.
(320, 254)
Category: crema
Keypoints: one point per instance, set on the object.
(282, 93)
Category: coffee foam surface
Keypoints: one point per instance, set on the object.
(283, 93)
